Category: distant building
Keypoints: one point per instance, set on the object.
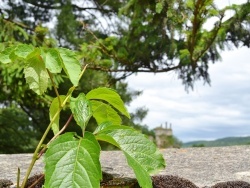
(162, 135)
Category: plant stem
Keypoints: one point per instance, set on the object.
(84, 68)
(62, 129)
(35, 155)
(18, 177)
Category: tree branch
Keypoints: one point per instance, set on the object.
(94, 67)
(28, 113)
(18, 24)
(54, 7)
(210, 43)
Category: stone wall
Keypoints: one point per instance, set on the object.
(202, 166)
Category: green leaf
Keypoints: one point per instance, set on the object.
(2, 47)
(104, 137)
(185, 56)
(213, 12)
(72, 162)
(54, 107)
(23, 50)
(125, 9)
(36, 74)
(103, 112)
(5, 55)
(190, 4)
(141, 153)
(53, 61)
(141, 174)
(158, 7)
(70, 65)
(102, 126)
(81, 109)
(110, 96)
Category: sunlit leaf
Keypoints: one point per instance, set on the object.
(102, 126)
(70, 65)
(110, 96)
(103, 112)
(2, 47)
(73, 163)
(54, 107)
(23, 50)
(53, 61)
(142, 155)
(5, 55)
(158, 7)
(185, 56)
(81, 109)
(36, 74)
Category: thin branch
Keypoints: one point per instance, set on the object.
(37, 181)
(29, 114)
(132, 70)
(90, 8)
(55, 136)
(54, 7)
(211, 41)
(98, 20)
(18, 24)
(196, 26)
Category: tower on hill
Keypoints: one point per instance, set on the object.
(163, 135)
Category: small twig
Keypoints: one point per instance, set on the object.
(84, 68)
(62, 129)
(37, 181)
(18, 24)
(104, 48)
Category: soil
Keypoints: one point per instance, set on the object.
(162, 181)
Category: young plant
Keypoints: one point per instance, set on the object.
(73, 160)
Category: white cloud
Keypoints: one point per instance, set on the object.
(206, 112)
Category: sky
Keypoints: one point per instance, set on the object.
(206, 112)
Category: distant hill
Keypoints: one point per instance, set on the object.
(228, 141)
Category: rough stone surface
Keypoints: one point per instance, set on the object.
(202, 166)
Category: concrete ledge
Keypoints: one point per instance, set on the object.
(202, 166)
